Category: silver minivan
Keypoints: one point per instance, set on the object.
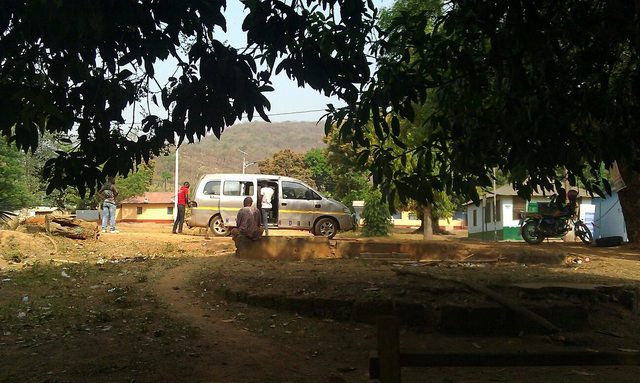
(218, 197)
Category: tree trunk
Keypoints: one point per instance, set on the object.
(435, 226)
(428, 228)
(71, 227)
(630, 201)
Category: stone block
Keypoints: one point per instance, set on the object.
(284, 248)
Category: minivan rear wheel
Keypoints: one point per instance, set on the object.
(326, 227)
(217, 226)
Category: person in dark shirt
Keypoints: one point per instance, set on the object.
(109, 192)
(183, 201)
(248, 220)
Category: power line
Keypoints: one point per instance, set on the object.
(299, 112)
(268, 115)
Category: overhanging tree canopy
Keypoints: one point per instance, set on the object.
(525, 86)
(73, 67)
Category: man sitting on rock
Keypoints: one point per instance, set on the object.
(247, 222)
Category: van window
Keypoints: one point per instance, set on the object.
(237, 188)
(294, 190)
(212, 188)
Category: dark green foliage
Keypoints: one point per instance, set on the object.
(70, 67)
(316, 161)
(525, 86)
(136, 182)
(349, 181)
(377, 221)
(335, 175)
(14, 192)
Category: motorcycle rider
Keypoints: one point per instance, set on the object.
(558, 202)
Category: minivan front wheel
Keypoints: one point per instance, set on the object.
(326, 227)
(217, 227)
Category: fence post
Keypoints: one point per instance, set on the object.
(389, 349)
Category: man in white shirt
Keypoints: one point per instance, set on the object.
(266, 194)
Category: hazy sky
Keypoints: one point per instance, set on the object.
(287, 99)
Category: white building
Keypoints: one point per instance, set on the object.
(603, 216)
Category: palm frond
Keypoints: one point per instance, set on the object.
(5, 214)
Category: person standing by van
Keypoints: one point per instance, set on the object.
(109, 192)
(266, 194)
(183, 201)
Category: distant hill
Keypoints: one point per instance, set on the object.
(258, 139)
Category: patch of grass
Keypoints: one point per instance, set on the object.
(143, 278)
(170, 263)
(12, 253)
(169, 248)
(48, 309)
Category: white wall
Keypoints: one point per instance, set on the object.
(609, 220)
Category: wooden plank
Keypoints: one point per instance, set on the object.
(487, 359)
(374, 365)
(389, 348)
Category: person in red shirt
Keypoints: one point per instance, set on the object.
(183, 201)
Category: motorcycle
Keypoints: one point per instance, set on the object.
(554, 221)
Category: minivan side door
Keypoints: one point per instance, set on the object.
(233, 194)
(210, 197)
(299, 205)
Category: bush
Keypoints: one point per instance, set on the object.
(377, 221)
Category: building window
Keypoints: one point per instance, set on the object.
(488, 208)
(498, 208)
(475, 217)
(519, 205)
(139, 210)
(170, 210)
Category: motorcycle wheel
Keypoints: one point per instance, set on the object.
(530, 233)
(583, 232)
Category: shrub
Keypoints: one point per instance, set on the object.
(377, 221)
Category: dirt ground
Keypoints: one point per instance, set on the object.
(148, 306)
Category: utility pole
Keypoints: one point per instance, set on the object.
(495, 208)
(245, 164)
(175, 182)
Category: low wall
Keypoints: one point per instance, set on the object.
(285, 248)
(306, 248)
(302, 248)
(415, 250)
